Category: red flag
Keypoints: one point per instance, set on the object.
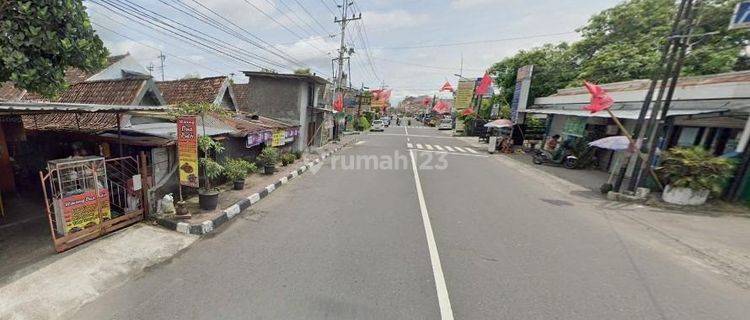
(484, 85)
(447, 87)
(467, 112)
(385, 95)
(600, 100)
(426, 101)
(441, 107)
(338, 104)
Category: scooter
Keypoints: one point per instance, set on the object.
(566, 159)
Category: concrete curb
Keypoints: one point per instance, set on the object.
(232, 211)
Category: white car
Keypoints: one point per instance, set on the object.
(445, 124)
(377, 125)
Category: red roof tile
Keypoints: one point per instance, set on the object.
(8, 92)
(204, 90)
(242, 96)
(112, 92)
(70, 121)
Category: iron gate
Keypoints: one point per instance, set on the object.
(125, 200)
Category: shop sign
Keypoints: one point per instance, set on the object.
(521, 92)
(465, 94)
(278, 138)
(187, 149)
(293, 132)
(257, 138)
(81, 211)
(575, 126)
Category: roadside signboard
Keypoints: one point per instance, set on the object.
(465, 94)
(187, 150)
(81, 211)
(521, 92)
(741, 16)
(278, 138)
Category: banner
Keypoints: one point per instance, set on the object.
(278, 138)
(187, 151)
(256, 138)
(81, 211)
(465, 94)
(575, 126)
(521, 92)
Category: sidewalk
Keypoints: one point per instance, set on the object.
(82, 274)
(720, 244)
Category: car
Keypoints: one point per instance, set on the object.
(377, 125)
(386, 121)
(445, 124)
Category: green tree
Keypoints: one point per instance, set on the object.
(554, 68)
(40, 39)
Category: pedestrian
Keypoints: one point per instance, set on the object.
(552, 143)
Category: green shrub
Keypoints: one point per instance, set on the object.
(695, 168)
(268, 157)
(364, 125)
(287, 159)
(238, 169)
(297, 154)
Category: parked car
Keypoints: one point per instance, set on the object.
(386, 121)
(445, 124)
(377, 125)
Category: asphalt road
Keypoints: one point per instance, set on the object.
(480, 241)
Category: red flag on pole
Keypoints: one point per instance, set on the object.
(600, 99)
(426, 101)
(484, 85)
(338, 104)
(467, 112)
(441, 107)
(447, 87)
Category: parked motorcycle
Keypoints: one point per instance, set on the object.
(566, 159)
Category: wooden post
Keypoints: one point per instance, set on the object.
(145, 184)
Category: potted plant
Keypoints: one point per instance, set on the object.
(287, 159)
(236, 170)
(297, 154)
(691, 174)
(268, 158)
(208, 196)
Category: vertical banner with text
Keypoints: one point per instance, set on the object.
(187, 148)
(521, 92)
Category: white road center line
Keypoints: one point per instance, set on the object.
(471, 150)
(459, 149)
(446, 312)
(409, 145)
(449, 148)
(429, 147)
(419, 146)
(439, 147)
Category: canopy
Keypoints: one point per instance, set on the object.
(622, 114)
(616, 143)
(499, 123)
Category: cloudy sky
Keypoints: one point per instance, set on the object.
(411, 46)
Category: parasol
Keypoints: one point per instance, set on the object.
(499, 123)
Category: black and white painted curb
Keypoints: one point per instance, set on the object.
(227, 214)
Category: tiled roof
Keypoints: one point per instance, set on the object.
(114, 92)
(204, 90)
(8, 92)
(70, 121)
(242, 96)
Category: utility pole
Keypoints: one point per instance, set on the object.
(343, 50)
(161, 59)
(150, 68)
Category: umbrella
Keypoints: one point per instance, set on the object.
(499, 123)
(616, 143)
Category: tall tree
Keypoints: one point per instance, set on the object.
(554, 68)
(39, 39)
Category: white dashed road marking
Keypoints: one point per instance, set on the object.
(429, 147)
(409, 145)
(419, 146)
(449, 148)
(439, 147)
(459, 149)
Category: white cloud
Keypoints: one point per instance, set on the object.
(389, 20)
(313, 51)
(463, 4)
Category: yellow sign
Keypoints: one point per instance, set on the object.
(81, 211)
(278, 138)
(465, 94)
(187, 151)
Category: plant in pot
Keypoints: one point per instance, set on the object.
(287, 159)
(236, 170)
(692, 174)
(268, 158)
(297, 154)
(208, 196)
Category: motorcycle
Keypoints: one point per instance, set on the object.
(566, 159)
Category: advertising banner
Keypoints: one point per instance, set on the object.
(187, 150)
(575, 126)
(278, 138)
(521, 92)
(81, 211)
(465, 94)
(256, 138)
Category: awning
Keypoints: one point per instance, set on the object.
(168, 130)
(47, 107)
(623, 114)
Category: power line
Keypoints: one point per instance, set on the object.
(283, 26)
(328, 7)
(452, 44)
(171, 31)
(311, 16)
(426, 66)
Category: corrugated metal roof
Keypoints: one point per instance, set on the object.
(168, 130)
(622, 114)
(47, 107)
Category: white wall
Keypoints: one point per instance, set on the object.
(114, 71)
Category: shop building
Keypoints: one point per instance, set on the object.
(709, 111)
